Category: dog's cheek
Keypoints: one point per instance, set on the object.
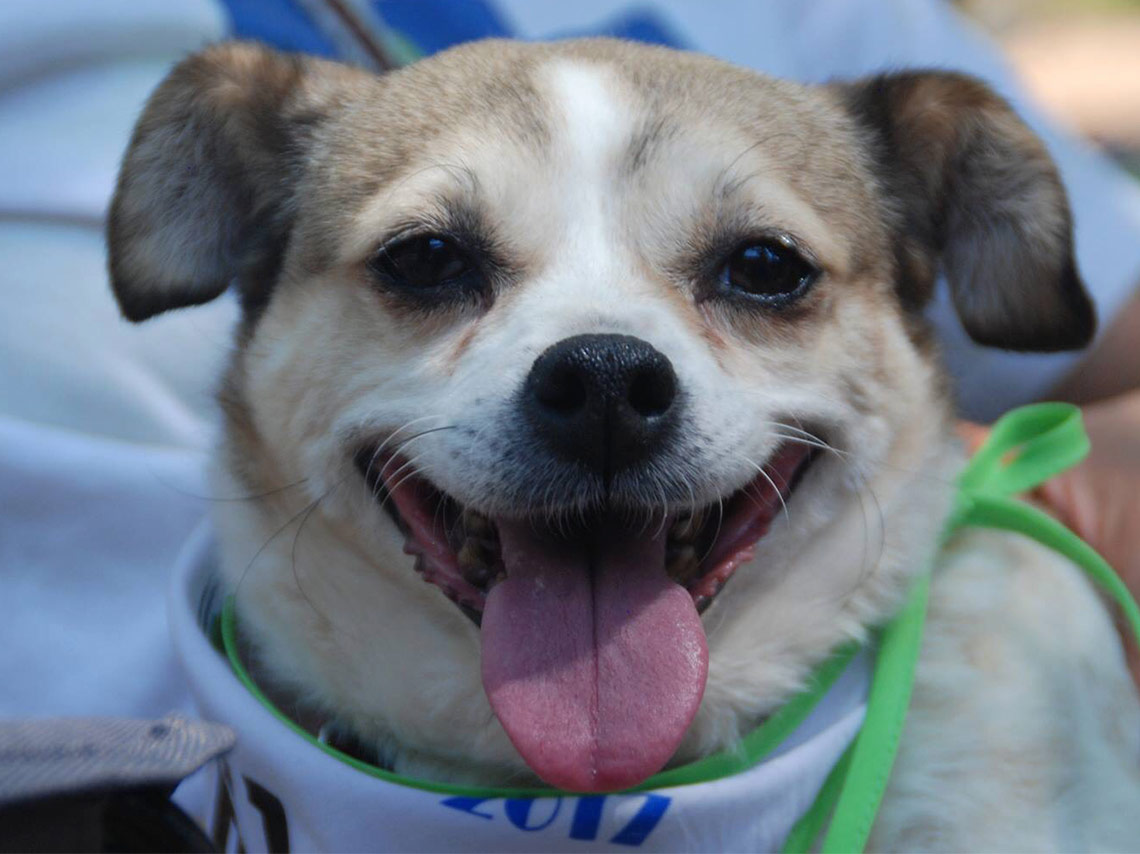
(340, 630)
(324, 354)
(859, 527)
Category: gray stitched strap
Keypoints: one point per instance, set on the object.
(61, 756)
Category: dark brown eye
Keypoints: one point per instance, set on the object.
(424, 263)
(768, 272)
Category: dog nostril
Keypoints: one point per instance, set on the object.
(563, 392)
(651, 392)
(603, 401)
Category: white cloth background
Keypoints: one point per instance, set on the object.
(102, 424)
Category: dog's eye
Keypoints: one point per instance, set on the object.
(423, 262)
(768, 272)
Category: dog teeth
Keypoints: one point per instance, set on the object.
(480, 577)
(475, 554)
(685, 529)
(477, 561)
(684, 564)
(477, 525)
(470, 556)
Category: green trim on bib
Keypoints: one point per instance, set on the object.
(753, 749)
(1025, 448)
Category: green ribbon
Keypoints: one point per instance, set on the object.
(1026, 447)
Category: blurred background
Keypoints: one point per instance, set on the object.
(1080, 59)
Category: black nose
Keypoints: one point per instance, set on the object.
(606, 401)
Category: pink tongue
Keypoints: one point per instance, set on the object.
(595, 675)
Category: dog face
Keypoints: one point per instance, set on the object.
(580, 334)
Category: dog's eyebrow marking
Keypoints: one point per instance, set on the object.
(730, 181)
(458, 178)
(646, 140)
(749, 195)
(446, 195)
(463, 215)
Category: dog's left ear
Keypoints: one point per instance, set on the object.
(207, 189)
(972, 190)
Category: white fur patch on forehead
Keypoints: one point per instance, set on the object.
(594, 111)
(591, 115)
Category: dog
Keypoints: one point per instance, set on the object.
(621, 350)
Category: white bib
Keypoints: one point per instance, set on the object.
(286, 794)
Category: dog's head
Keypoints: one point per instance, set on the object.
(580, 333)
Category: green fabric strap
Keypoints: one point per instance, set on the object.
(808, 828)
(1026, 447)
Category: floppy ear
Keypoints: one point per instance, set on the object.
(973, 191)
(205, 192)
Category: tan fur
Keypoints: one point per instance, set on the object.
(606, 177)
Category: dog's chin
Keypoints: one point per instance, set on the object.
(594, 657)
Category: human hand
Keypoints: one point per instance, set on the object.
(1100, 498)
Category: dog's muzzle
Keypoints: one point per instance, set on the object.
(594, 656)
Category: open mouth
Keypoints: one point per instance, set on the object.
(594, 657)
(459, 550)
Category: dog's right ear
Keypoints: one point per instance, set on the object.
(973, 191)
(205, 193)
